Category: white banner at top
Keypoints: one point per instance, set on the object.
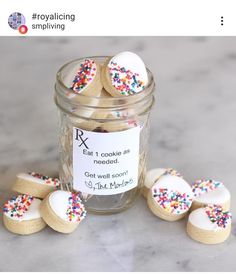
(115, 18)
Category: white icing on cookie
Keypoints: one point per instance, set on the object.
(22, 208)
(199, 219)
(152, 175)
(33, 212)
(217, 196)
(61, 203)
(173, 194)
(85, 74)
(174, 183)
(128, 73)
(69, 77)
(58, 201)
(50, 181)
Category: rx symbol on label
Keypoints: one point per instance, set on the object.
(79, 137)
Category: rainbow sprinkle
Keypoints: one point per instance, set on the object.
(203, 186)
(76, 211)
(217, 215)
(126, 81)
(84, 76)
(172, 201)
(46, 179)
(17, 206)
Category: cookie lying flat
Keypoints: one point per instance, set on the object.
(170, 198)
(153, 175)
(124, 74)
(209, 225)
(21, 215)
(35, 184)
(63, 211)
(210, 192)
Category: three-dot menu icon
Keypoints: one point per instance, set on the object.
(222, 21)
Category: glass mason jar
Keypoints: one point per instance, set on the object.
(103, 143)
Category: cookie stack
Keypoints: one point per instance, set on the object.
(210, 220)
(171, 198)
(41, 203)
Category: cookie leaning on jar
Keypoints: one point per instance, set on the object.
(124, 74)
(84, 80)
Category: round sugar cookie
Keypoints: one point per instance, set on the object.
(21, 215)
(63, 211)
(153, 175)
(35, 184)
(209, 225)
(170, 198)
(86, 79)
(210, 192)
(124, 74)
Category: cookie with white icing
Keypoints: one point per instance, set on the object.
(35, 184)
(170, 198)
(21, 215)
(209, 225)
(86, 79)
(63, 211)
(83, 79)
(153, 175)
(210, 192)
(124, 74)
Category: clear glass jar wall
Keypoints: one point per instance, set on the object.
(101, 114)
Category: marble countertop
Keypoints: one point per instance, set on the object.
(192, 130)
